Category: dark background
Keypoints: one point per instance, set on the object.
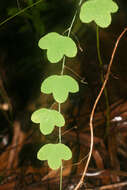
(23, 66)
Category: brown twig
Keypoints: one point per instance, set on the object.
(94, 107)
(111, 186)
(18, 137)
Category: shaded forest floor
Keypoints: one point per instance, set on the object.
(23, 67)
(107, 166)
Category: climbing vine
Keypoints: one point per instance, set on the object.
(58, 48)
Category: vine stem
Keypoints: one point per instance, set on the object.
(73, 20)
(61, 168)
(102, 80)
(62, 71)
(59, 109)
(69, 32)
(95, 105)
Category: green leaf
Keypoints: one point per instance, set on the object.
(57, 46)
(54, 154)
(60, 86)
(48, 119)
(98, 11)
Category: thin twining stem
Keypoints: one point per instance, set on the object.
(94, 107)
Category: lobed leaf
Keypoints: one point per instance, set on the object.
(98, 11)
(54, 154)
(48, 119)
(57, 46)
(60, 86)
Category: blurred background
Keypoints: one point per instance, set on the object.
(23, 67)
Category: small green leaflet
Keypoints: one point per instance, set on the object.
(48, 119)
(60, 86)
(54, 154)
(98, 11)
(57, 46)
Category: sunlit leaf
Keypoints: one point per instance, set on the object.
(54, 154)
(60, 86)
(57, 46)
(48, 119)
(98, 11)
